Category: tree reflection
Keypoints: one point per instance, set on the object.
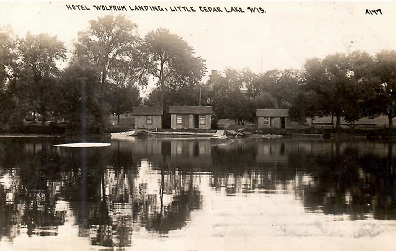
(251, 166)
(38, 196)
(231, 162)
(348, 182)
(111, 194)
(380, 185)
(159, 197)
(176, 214)
(29, 188)
(178, 195)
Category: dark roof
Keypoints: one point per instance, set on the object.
(272, 113)
(145, 110)
(190, 109)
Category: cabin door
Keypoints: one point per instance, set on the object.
(196, 121)
(283, 122)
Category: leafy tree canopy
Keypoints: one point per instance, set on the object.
(110, 44)
(171, 61)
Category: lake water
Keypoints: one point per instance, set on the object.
(198, 194)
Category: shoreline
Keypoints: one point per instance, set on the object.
(10, 135)
(314, 133)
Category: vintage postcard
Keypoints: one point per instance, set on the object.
(197, 125)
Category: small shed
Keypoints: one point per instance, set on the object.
(189, 117)
(272, 118)
(147, 117)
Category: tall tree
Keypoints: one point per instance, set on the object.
(250, 83)
(122, 99)
(228, 97)
(331, 79)
(8, 56)
(110, 43)
(305, 105)
(346, 85)
(361, 88)
(385, 72)
(8, 61)
(123, 93)
(171, 61)
(38, 69)
(80, 104)
(282, 86)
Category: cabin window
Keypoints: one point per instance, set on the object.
(149, 120)
(266, 121)
(202, 119)
(179, 119)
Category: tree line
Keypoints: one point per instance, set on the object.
(101, 75)
(349, 86)
(110, 63)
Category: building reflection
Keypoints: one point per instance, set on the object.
(185, 154)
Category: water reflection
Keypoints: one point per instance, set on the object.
(349, 181)
(109, 195)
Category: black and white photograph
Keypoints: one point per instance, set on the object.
(198, 125)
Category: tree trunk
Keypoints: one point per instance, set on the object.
(390, 121)
(390, 158)
(103, 82)
(338, 122)
(162, 81)
(118, 119)
(43, 117)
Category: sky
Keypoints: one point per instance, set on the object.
(284, 37)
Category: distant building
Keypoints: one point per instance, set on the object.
(188, 117)
(272, 118)
(147, 117)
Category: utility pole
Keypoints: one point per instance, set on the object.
(200, 95)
